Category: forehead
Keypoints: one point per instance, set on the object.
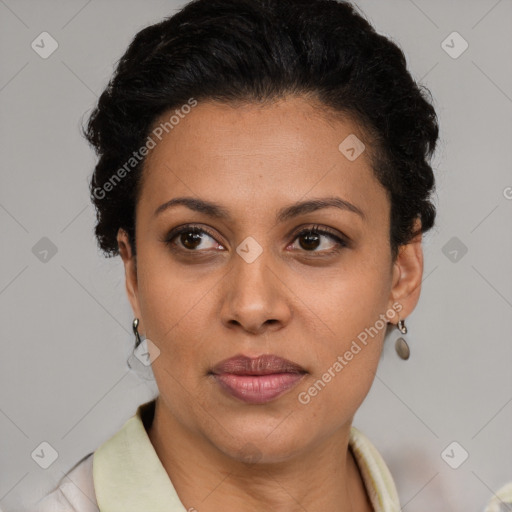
(259, 153)
(289, 126)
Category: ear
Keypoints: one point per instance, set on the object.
(130, 271)
(407, 275)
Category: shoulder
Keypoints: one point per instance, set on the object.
(74, 492)
(502, 500)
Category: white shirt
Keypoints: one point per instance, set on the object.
(125, 475)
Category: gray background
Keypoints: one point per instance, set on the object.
(66, 323)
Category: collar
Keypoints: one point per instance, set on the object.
(129, 476)
(376, 476)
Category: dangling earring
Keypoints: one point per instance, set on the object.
(135, 326)
(401, 346)
(138, 360)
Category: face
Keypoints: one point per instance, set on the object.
(246, 271)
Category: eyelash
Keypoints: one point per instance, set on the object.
(190, 228)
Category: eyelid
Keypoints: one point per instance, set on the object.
(323, 230)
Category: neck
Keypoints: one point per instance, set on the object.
(325, 477)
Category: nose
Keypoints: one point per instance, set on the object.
(254, 296)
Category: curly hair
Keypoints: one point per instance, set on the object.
(236, 51)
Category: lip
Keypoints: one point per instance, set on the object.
(257, 380)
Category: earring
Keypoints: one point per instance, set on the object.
(138, 361)
(135, 326)
(401, 346)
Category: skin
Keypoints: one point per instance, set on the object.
(295, 300)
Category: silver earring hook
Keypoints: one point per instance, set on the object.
(135, 326)
(137, 362)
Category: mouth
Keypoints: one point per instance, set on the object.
(257, 380)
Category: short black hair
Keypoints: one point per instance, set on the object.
(243, 51)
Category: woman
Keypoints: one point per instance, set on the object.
(264, 175)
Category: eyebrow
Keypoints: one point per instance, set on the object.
(217, 211)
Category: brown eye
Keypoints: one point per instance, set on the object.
(311, 239)
(190, 238)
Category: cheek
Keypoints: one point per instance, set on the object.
(344, 350)
(345, 340)
(335, 395)
(348, 304)
(166, 292)
(167, 305)
(174, 312)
